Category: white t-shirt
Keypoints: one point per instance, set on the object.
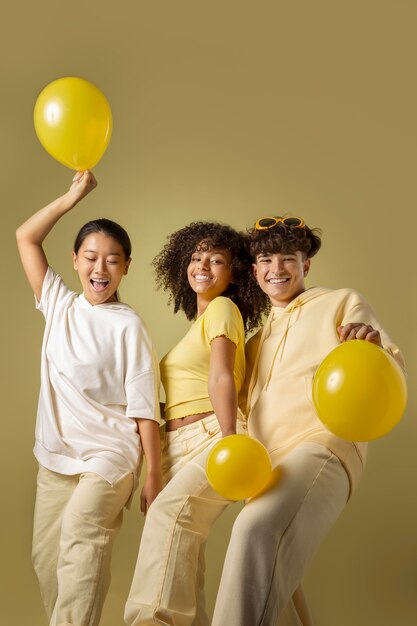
(98, 371)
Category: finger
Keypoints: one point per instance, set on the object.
(375, 337)
(342, 330)
(77, 177)
(362, 331)
(347, 330)
(352, 334)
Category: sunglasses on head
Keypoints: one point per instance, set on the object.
(264, 223)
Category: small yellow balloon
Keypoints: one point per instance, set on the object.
(359, 391)
(73, 122)
(238, 467)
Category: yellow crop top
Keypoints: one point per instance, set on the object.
(184, 370)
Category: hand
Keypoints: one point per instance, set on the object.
(82, 184)
(151, 488)
(359, 330)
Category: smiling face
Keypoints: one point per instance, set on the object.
(281, 276)
(101, 265)
(209, 273)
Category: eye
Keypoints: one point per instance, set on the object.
(88, 258)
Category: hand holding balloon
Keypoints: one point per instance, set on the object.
(238, 467)
(359, 330)
(82, 184)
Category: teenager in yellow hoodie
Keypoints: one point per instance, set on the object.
(277, 533)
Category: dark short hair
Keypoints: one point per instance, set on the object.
(108, 228)
(285, 239)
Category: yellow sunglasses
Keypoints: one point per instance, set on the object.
(264, 223)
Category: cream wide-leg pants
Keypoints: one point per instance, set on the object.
(168, 583)
(75, 523)
(275, 536)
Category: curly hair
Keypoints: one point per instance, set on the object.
(172, 262)
(285, 239)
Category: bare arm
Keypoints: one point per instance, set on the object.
(31, 234)
(221, 384)
(150, 440)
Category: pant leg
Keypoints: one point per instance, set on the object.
(276, 535)
(52, 494)
(91, 520)
(296, 613)
(165, 587)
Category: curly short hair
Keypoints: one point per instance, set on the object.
(172, 262)
(285, 239)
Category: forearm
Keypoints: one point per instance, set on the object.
(151, 446)
(37, 227)
(223, 397)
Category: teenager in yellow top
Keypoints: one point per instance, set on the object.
(277, 533)
(205, 268)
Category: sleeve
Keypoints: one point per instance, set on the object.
(360, 311)
(223, 319)
(54, 291)
(142, 377)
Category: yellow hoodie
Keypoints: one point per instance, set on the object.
(281, 361)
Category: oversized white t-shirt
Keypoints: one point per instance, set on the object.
(98, 371)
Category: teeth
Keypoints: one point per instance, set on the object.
(201, 277)
(99, 280)
(278, 280)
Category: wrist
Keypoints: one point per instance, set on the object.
(231, 430)
(154, 470)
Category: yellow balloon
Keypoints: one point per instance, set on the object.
(359, 391)
(238, 467)
(73, 122)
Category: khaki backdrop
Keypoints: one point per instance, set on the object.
(225, 110)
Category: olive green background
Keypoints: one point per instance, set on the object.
(225, 110)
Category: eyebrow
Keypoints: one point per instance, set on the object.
(109, 254)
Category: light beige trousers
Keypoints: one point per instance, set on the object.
(276, 535)
(168, 583)
(76, 521)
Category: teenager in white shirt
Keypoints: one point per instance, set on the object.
(98, 409)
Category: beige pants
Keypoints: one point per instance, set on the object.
(75, 524)
(276, 535)
(168, 583)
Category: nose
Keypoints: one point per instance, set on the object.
(277, 266)
(100, 266)
(204, 263)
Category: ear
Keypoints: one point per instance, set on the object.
(307, 264)
(127, 266)
(74, 260)
(255, 270)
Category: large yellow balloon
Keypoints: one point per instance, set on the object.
(238, 467)
(73, 122)
(359, 391)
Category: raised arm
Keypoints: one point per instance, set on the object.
(31, 234)
(221, 384)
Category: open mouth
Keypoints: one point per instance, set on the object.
(98, 284)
